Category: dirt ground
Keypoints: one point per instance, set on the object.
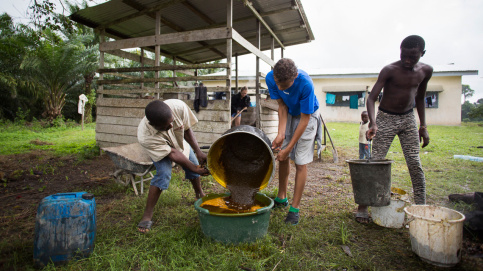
(27, 178)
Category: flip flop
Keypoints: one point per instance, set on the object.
(145, 226)
(363, 218)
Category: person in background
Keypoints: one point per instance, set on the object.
(239, 103)
(364, 145)
(166, 135)
(298, 112)
(404, 82)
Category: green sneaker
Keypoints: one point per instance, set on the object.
(278, 205)
(292, 218)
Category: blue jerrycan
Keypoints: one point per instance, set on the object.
(65, 228)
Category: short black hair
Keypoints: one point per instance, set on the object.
(284, 70)
(157, 112)
(413, 41)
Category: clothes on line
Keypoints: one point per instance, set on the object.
(354, 102)
(201, 97)
(429, 102)
(330, 98)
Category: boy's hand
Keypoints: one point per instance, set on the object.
(201, 157)
(203, 171)
(423, 133)
(282, 155)
(277, 143)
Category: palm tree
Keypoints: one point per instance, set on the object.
(56, 67)
(15, 90)
(86, 38)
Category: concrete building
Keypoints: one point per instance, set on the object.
(443, 106)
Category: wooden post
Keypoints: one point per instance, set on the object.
(272, 50)
(157, 48)
(257, 79)
(174, 72)
(229, 47)
(142, 65)
(82, 121)
(236, 71)
(281, 52)
(101, 61)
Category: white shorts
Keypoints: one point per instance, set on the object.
(303, 151)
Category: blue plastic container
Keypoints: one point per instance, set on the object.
(65, 228)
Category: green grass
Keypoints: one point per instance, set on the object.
(72, 139)
(444, 174)
(177, 243)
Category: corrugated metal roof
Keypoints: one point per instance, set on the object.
(285, 17)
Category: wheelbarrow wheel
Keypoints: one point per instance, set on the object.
(124, 179)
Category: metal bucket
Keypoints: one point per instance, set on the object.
(242, 158)
(371, 181)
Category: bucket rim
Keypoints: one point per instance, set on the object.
(453, 221)
(215, 195)
(272, 175)
(370, 161)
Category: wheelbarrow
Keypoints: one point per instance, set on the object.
(131, 160)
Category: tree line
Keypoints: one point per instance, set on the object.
(46, 64)
(471, 111)
(43, 70)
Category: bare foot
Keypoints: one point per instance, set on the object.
(362, 215)
(200, 195)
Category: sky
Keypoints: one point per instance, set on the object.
(355, 34)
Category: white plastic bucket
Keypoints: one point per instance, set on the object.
(391, 216)
(436, 234)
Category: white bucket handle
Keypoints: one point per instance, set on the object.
(442, 221)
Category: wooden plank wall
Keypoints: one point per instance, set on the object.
(118, 119)
(269, 122)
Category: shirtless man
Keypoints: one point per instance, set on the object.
(404, 82)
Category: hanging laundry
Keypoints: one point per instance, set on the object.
(330, 98)
(203, 96)
(82, 103)
(429, 102)
(196, 103)
(345, 98)
(354, 102)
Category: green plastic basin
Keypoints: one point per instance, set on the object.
(235, 228)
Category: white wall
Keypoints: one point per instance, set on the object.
(447, 113)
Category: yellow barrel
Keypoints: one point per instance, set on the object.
(242, 157)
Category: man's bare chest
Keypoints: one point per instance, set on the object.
(407, 80)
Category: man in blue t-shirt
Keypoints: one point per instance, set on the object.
(297, 126)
